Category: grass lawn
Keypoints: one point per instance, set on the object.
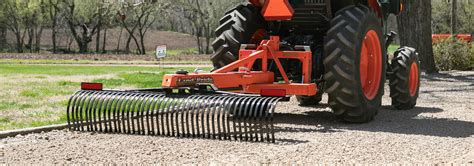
(36, 95)
(392, 48)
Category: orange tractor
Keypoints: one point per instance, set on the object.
(265, 52)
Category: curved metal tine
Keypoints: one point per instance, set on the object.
(189, 105)
(272, 111)
(161, 105)
(243, 113)
(68, 119)
(174, 113)
(119, 112)
(154, 102)
(110, 105)
(267, 119)
(246, 117)
(227, 117)
(220, 112)
(78, 107)
(213, 114)
(141, 115)
(170, 115)
(192, 111)
(236, 117)
(103, 109)
(228, 110)
(251, 116)
(209, 107)
(163, 117)
(126, 112)
(167, 113)
(205, 109)
(184, 113)
(98, 109)
(150, 113)
(88, 110)
(198, 112)
(180, 112)
(133, 112)
(134, 118)
(261, 119)
(163, 112)
(70, 108)
(195, 115)
(217, 113)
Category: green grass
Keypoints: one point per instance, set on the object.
(65, 70)
(392, 48)
(48, 61)
(36, 95)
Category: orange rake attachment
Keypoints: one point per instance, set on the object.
(239, 105)
(238, 76)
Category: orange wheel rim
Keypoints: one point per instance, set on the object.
(414, 79)
(371, 65)
(258, 36)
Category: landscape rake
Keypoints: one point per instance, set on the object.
(266, 51)
(224, 117)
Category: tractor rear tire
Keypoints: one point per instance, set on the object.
(239, 26)
(355, 64)
(405, 78)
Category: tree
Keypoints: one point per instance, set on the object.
(414, 26)
(138, 18)
(53, 13)
(3, 31)
(13, 17)
(204, 15)
(82, 18)
(454, 9)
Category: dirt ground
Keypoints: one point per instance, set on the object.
(439, 130)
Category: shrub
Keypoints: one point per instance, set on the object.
(451, 55)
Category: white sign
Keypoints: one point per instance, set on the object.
(161, 51)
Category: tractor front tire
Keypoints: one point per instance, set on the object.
(239, 26)
(405, 78)
(355, 64)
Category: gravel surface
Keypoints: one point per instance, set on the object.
(439, 130)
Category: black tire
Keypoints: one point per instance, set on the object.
(401, 64)
(236, 27)
(342, 64)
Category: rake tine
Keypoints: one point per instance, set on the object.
(70, 108)
(97, 108)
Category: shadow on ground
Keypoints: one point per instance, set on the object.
(388, 120)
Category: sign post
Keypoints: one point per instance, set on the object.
(160, 53)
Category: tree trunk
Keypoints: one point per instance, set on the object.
(105, 41)
(19, 42)
(119, 40)
(454, 9)
(3, 37)
(142, 43)
(414, 26)
(39, 34)
(97, 40)
(127, 44)
(53, 37)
